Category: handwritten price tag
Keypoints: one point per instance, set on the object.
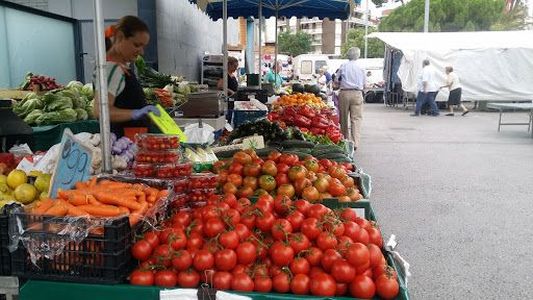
(73, 164)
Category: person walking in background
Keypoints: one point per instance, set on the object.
(351, 79)
(427, 89)
(454, 85)
(273, 75)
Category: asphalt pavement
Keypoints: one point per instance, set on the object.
(458, 195)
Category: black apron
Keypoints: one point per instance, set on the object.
(132, 97)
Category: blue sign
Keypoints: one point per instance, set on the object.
(73, 164)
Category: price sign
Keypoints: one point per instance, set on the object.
(73, 164)
(166, 124)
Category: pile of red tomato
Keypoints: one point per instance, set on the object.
(247, 175)
(274, 245)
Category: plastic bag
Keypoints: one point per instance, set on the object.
(200, 134)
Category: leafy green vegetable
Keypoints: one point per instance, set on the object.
(60, 103)
(87, 91)
(81, 114)
(55, 117)
(32, 116)
(22, 109)
(74, 85)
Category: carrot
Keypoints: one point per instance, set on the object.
(57, 210)
(93, 200)
(137, 215)
(117, 199)
(162, 194)
(141, 197)
(101, 210)
(72, 210)
(114, 184)
(64, 194)
(124, 210)
(92, 182)
(42, 206)
(151, 194)
(78, 199)
(80, 185)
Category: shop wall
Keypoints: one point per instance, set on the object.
(184, 34)
(83, 10)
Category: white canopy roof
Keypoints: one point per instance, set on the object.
(456, 40)
(494, 65)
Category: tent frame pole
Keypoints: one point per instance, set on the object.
(105, 126)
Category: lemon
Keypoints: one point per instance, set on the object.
(25, 193)
(35, 173)
(3, 178)
(16, 178)
(43, 195)
(42, 183)
(4, 188)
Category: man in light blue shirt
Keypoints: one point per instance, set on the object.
(352, 82)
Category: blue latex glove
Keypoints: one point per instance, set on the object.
(141, 112)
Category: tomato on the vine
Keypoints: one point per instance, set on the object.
(229, 239)
(165, 278)
(281, 283)
(140, 277)
(262, 284)
(181, 260)
(310, 228)
(246, 253)
(323, 284)
(222, 280)
(299, 242)
(326, 240)
(225, 259)
(300, 284)
(328, 258)
(242, 282)
(281, 254)
(387, 286)
(203, 260)
(142, 250)
(300, 265)
(188, 279)
(342, 271)
(362, 287)
(281, 229)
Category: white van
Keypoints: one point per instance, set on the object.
(306, 66)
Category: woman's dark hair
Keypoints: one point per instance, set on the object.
(128, 25)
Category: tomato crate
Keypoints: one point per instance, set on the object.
(103, 256)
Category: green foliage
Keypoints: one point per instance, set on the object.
(294, 43)
(456, 15)
(356, 38)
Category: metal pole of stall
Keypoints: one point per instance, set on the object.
(426, 16)
(105, 126)
(225, 46)
(260, 38)
(276, 50)
(366, 29)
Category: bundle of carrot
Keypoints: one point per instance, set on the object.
(104, 198)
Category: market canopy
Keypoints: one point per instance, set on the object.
(492, 65)
(332, 9)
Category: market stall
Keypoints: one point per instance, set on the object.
(272, 208)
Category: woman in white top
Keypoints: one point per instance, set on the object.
(454, 85)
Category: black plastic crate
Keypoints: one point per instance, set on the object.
(99, 258)
(5, 255)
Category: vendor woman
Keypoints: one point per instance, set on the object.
(127, 103)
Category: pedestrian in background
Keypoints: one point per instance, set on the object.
(454, 85)
(351, 79)
(427, 89)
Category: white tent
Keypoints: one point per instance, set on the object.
(492, 65)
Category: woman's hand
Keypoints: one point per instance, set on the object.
(137, 114)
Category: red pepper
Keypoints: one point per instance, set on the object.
(317, 131)
(320, 122)
(307, 111)
(302, 121)
(273, 116)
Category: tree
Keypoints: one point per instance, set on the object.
(294, 43)
(356, 38)
(455, 15)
